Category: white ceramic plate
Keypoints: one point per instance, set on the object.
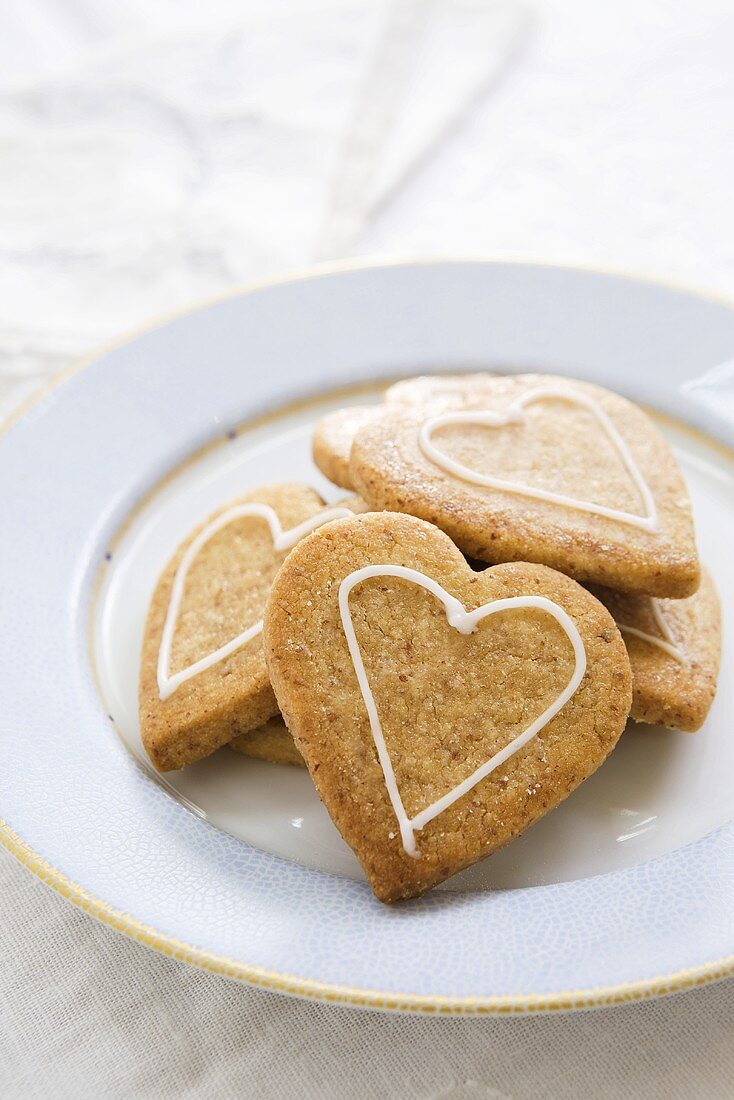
(627, 890)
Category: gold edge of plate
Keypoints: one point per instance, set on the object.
(597, 997)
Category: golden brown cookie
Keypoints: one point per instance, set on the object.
(332, 440)
(271, 742)
(674, 648)
(203, 679)
(437, 391)
(450, 706)
(540, 468)
(333, 434)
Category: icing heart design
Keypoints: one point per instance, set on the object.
(432, 736)
(514, 414)
(466, 622)
(282, 540)
(667, 642)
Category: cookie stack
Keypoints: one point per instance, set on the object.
(441, 705)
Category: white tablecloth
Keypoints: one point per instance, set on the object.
(154, 154)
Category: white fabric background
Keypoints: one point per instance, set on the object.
(154, 153)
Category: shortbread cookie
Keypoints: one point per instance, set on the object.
(333, 435)
(332, 440)
(539, 468)
(674, 648)
(436, 721)
(437, 391)
(203, 678)
(271, 742)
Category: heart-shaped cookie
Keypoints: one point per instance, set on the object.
(333, 434)
(203, 678)
(439, 711)
(539, 468)
(332, 440)
(674, 648)
(271, 742)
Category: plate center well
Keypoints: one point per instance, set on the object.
(658, 791)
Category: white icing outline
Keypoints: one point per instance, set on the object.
(465, 622)
(513, 414)
(282, 540)
(668, 642)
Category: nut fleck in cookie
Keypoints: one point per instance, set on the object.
(539, 468)
(333, 435)
(271, 742)
(203, 678)
(440, 711)
(674, 648)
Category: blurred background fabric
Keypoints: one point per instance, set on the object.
(157, 152)
(154, 154)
